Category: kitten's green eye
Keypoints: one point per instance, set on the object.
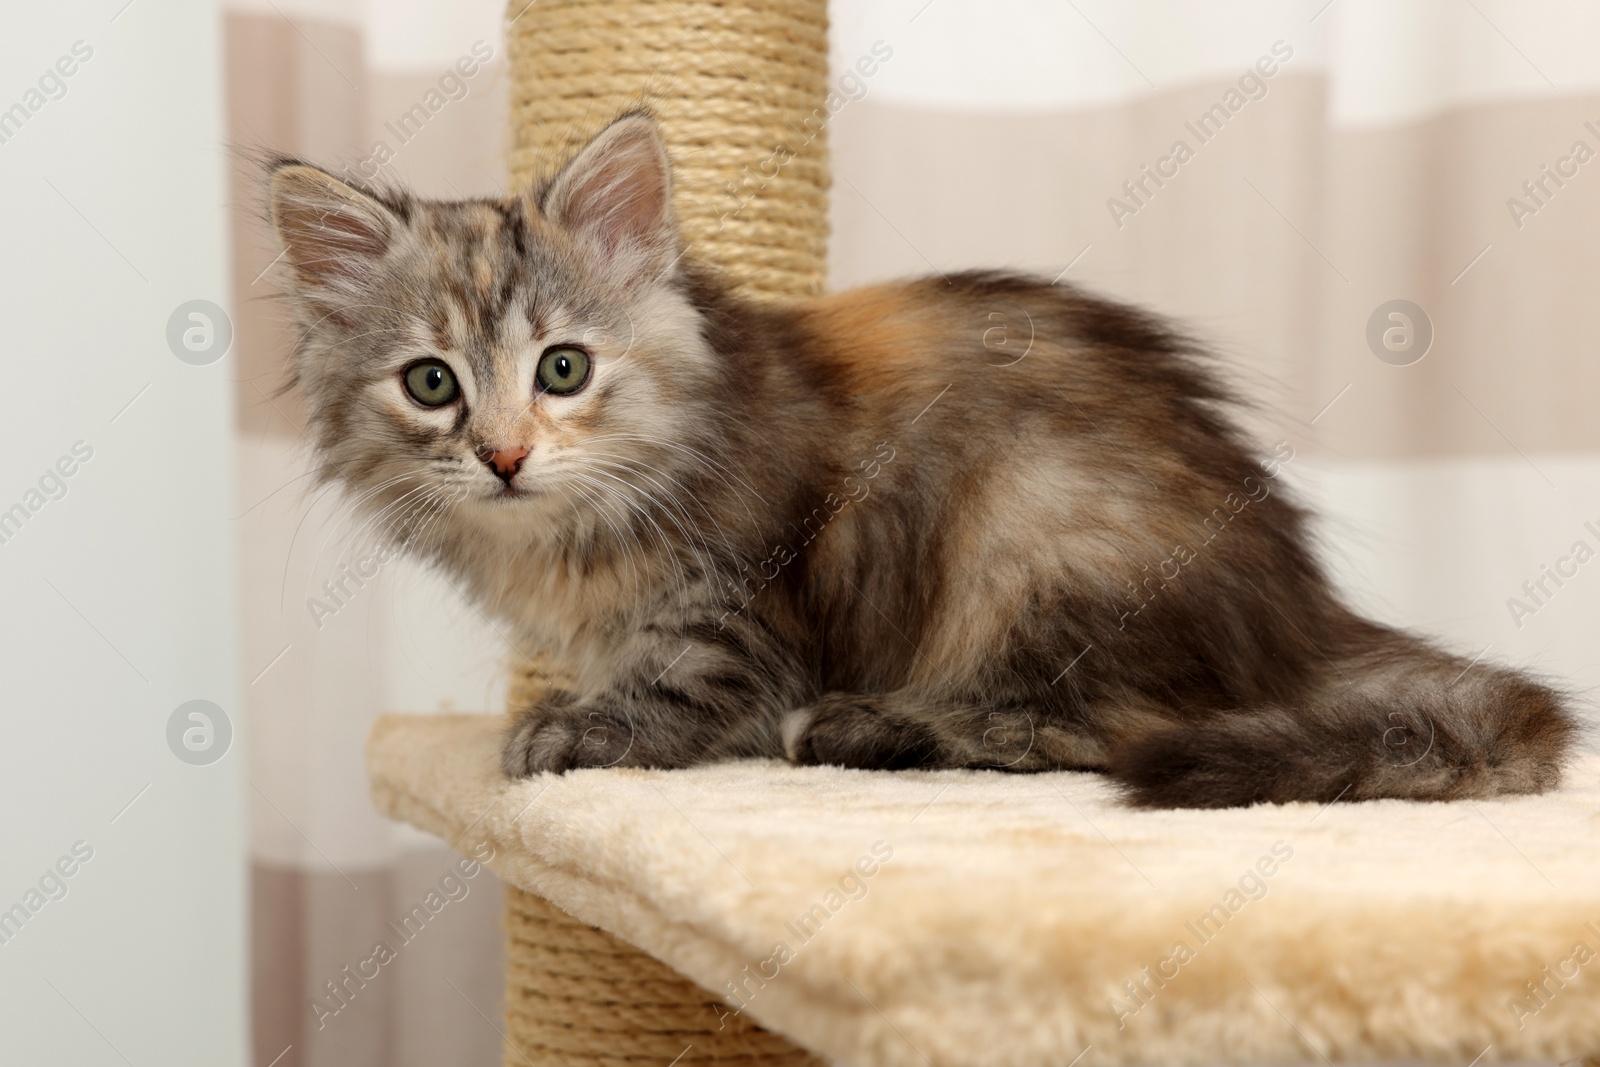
(563, 370)
(431, 384)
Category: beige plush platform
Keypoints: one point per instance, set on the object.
(1014, 920)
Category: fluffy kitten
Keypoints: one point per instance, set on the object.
(976, 521)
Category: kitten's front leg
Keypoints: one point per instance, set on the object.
(690, 695)
(559, 735)
(901, 730)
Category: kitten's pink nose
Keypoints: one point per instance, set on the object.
(505, 462)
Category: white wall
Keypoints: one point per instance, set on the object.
(119, 597)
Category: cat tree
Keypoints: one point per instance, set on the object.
(953, 917)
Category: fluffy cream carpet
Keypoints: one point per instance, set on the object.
(982, 918)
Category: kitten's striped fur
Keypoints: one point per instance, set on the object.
(866, 530)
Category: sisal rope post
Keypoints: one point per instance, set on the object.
(576, 995)
(739, 88)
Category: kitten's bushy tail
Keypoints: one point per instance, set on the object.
(1404, 721)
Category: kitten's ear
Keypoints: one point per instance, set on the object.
(616, 194)
(331, 231)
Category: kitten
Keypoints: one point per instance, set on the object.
(975, 521)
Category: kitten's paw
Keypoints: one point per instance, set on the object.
(565, 741)
(792, 728)
(854, 731)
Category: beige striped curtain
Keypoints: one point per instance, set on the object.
(1284, 177)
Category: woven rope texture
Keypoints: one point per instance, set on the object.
(739, 90)
(578, 997)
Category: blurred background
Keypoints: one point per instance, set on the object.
(1382, 216)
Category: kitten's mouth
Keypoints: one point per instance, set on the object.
(511, 492)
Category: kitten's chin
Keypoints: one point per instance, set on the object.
(516, 505)
(511, 514)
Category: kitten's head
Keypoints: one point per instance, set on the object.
(514, 363)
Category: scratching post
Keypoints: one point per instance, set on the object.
(576, 995)
(739, 90)
(739, 87)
